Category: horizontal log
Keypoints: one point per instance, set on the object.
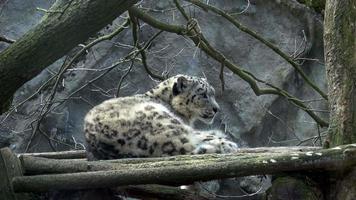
(187, 169)
(36, 163)
(58, 155)
(82, 153)
(9, 167)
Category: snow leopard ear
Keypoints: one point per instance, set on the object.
(180, 85)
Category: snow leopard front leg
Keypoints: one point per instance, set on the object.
(211, 142)
(214, 141)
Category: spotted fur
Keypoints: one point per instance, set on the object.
(157, 123)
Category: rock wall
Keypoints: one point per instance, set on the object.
(266, 120)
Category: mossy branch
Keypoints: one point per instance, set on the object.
(53, 37)
(79, 174)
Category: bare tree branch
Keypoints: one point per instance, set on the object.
(203, 44)
(66, 65)
(123, 77)
(134, 24)
(30, 54)
(6, 40)
(252, 33)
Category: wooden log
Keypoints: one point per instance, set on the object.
(9, 167)
(37, 165)
(58, 155)
(77, 154)
(189, 170)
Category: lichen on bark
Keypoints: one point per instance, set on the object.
(340, 60)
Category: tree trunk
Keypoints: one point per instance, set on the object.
(340, 60)
(67, 24)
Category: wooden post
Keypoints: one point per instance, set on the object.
(10, 167)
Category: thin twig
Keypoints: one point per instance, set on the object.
(135, 26)
(319, 136)
(163, 10)
(6, 40)
(15, 107)
(130, 56)
(48, 11)
(221, 76)
(197, 37)
(282, 121)
(203, 43)
(66, 65)
(244, 10)
(261, 39)
(123, 77)
(312, 138)
(297, 102)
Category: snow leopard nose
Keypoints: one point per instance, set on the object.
(215, 109)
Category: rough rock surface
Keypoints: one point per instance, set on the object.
(254, 121)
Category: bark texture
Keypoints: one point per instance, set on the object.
(10, 167)
(340, 60)
(79, 174)
(67, 24)
(347, 187)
